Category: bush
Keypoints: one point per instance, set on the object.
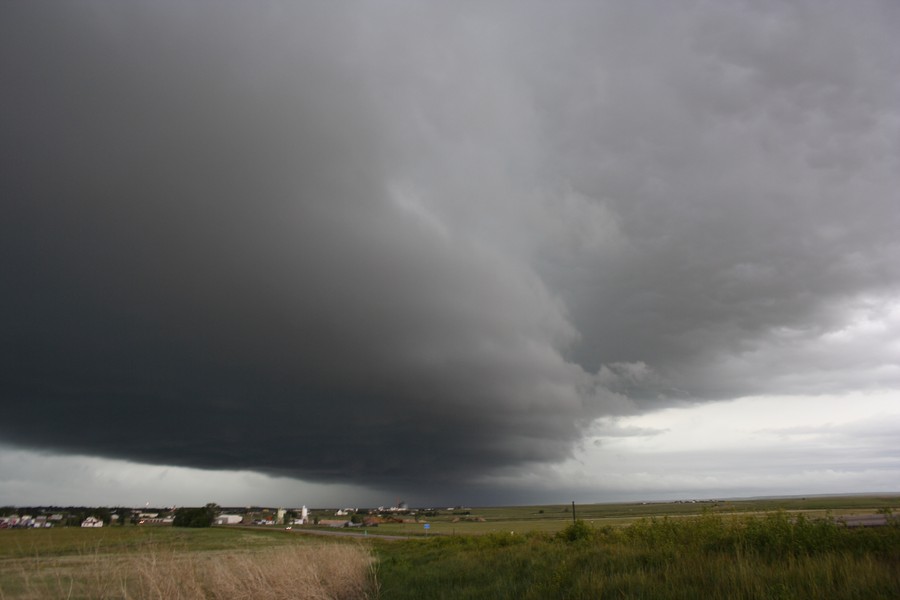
(579, 530)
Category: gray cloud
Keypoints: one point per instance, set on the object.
(414, 243)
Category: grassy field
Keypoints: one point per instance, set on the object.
(553, 518)
(70, 541)
(166, 563)
(710, 556)
(740, 549)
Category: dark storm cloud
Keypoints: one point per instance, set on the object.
(207, 265)
(394, 243)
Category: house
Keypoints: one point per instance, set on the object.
(92, 522)
(228, 519)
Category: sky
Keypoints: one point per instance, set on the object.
(467, 253)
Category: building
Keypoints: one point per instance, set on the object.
(228, 519)
(334, 523)
(92, 522)
(304, 517)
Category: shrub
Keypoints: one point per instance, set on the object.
(579, 530)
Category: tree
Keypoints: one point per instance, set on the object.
(103, 514)
(196, 517)
(124, 515)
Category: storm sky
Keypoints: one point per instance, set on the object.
(454, 252)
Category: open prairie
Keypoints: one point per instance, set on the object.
(553, 518)
(788, 548)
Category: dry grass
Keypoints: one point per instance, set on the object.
(326, 571)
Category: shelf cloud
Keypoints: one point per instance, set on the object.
(416, 245)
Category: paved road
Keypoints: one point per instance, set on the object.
(354, 534)
(863, 520)
(324, 532)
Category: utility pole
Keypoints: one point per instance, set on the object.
(573, 512)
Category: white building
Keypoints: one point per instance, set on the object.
(304, 517)
(92, 522)
(229, 519)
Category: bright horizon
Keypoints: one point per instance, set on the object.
(649, 446)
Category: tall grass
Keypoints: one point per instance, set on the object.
(774, 556)
(322, 571)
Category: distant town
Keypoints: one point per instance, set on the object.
(92, 517)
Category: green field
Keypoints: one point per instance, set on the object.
(553, 518)
(784, 548)
(75, 541)
(788, 548)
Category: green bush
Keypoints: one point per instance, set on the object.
(577, 531)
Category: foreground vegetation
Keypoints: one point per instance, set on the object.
(711, 556)
(714, 550)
